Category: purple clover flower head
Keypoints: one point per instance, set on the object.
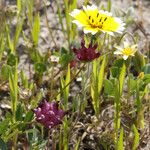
(48, 114)
(86, 54)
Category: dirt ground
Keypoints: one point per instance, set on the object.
(139, 11)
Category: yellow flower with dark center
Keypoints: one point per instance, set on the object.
(126, 50)
(93, 20)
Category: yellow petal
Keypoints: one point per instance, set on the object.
(80, 16)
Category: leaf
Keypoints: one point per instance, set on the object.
(65, 86)
(60, 16)
(132, 85)
(146, 69)
(122, 78)
(19, 5)
(114, 71)
(13, 85)
(2, 45)
(5, 71)
(40, 67)
(18, 31)
(138, 61)
(67, 81)
(146, 79)
(12, 59)
(120, 141)
(101, 75)
(136, 138)
(109, 5)
(65, 59)
(4, 125)
(29, 116)
(10, 42)
(3, 145)
(108, 87)
(36, 29)
(118, 63)
(24, 79)
(19, 113)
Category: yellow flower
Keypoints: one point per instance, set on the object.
(126, 51)
(93, 20)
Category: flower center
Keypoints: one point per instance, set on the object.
(97, 20)
(127, 51)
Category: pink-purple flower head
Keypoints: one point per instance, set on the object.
(86, 54)
(48, 114)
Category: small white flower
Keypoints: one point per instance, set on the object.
(126, 51)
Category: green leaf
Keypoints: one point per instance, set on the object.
(60, 16)
(65, 86)
(19, 113)
(109, 5)
(108, 87)
(13, 85)
(2, 45)
(118, 63)
(146, 69)
(115, 71)
(67, 82)
(29, 116)
(36, 29)
(133, 85)
(120, 141)
(3, 145)
(136, 138)
(65, 59)
(4, 125)
(11, 60)
(101, 75)
(138, 61)
(24, 79)
(40, 67)
(146, 79)
(19, 5)
(18, 31)
(10, 42)
(5, 71)
(122, 78)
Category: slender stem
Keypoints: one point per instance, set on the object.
(70, 81)
(52, 81)
(129, 35)
(50, 31)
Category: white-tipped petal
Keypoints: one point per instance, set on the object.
(92, 7)
(80, 25)
(121, 25)
(84, 8)
(89, 31)
(105, 12)
(75, 12)
(126, 44)
(134, 47)
(125, 57)
(118, 52)
(118, 47)
(110, 33)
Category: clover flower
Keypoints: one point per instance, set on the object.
(126, 51)
(86, 54)
(93, 20)
(48, 114)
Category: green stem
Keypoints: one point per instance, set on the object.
(49, 29)
(70, 81)
(129, 35)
